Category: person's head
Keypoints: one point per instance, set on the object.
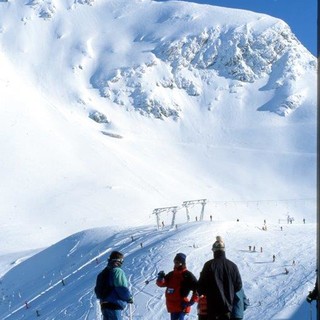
(179, 260)
(116, 258)
(218, 245)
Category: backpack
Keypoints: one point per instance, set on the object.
(103, 286)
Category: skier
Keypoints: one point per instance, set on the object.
(273, 258)
(219, 281)
(179, 283)
(112, 288)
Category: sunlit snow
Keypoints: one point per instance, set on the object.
(111, 109)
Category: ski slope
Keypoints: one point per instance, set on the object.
(248, 147)
(57, 283)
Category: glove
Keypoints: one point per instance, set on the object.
(161, 275)
(130, 301)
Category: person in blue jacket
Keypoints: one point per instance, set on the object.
(240, 304)
(112, 288)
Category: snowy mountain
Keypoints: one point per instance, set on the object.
(111, 109)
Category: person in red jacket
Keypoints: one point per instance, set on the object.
(179, 283)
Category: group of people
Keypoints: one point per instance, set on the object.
(218, 292)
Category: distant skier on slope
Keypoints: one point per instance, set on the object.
(179, 283)
(112, 288)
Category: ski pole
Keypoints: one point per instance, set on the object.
(130, 311)
(149, 280)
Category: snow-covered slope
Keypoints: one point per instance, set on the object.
(113, 108)
(78, 259)
(110, 109)
(137, 52)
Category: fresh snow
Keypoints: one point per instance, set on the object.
(110, 109)
(79, 258)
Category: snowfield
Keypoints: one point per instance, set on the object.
(112, 109)
(78, 259)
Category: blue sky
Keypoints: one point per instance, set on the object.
(300, 15)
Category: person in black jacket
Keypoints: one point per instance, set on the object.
(219, 281)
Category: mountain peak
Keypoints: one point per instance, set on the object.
(176, 54)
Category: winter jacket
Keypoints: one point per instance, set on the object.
(119, 293)
(202, 306)
(219, 281)
(240, 304)
(179, 283)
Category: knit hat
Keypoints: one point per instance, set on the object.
(180, 257)
(219, 244)
(116, 256)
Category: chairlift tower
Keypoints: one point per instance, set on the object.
(159, 210)
(186, 204)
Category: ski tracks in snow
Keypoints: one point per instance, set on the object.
(147, 251)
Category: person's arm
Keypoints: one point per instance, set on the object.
(121, 284)
(202, 282)
(237, 282)
(190, 284)
(194, 288)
